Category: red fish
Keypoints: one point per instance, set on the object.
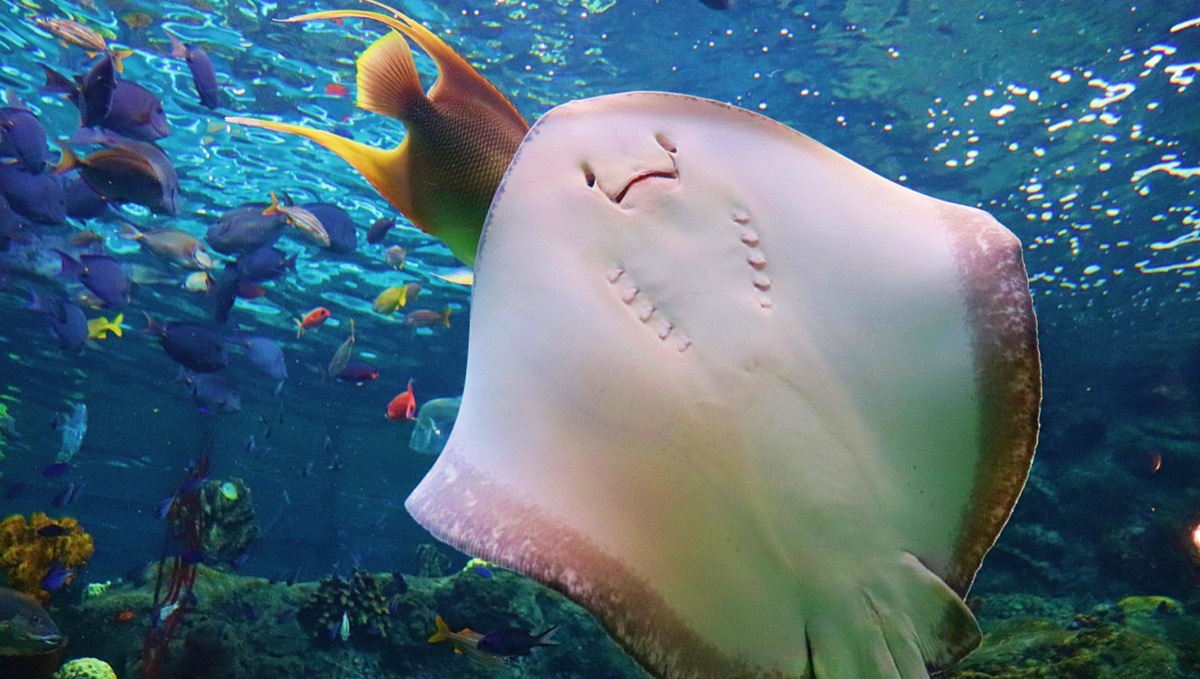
(403, 406)
(336, 89)
(312, 319)
(124, 616)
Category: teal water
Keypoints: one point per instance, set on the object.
(1075, 124)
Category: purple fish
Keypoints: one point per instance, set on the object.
(194, 346)
(204, 76)
(338, 224)
(92, 93)
(52, 530)
(37, 197)
(379, 229)
(264, 264)
(65, 320)
(511, 642)
(136, 113)
(244, 229)
(127, 171)
(358, 373)
(56, 470)
(102, 275)
(213, 394)
(56, 577)
(266, 356)
(23, 137)
(82, 201)
(192, 556)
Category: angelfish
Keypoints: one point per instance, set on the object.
(461, 135)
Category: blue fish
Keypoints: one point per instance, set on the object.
(56, 470)
(56, 577)
(192, 556)
(197, 347)
(102, 275)
(338, 224)
(65, 319)
(266, 356)
(22, 137)
(37, 197)
(512, 642)
(212, 394)
(204, 76)
(245, 229)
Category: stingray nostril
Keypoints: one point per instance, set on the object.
(589, 176)
(666, 143)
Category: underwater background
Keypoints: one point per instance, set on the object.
(1076, 124)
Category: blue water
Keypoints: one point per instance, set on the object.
(1074, 123)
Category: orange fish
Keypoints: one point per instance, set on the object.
(312, 319)
(426, 318)
(124, 616)
(336, 89)
(403, 406)
(76, 33)
(460, 137)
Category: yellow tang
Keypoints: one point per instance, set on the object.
(391, 299)
(461, 136)
(98, 328)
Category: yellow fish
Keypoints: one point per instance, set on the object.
(98, 328)
(391, 299)
(458, 277)
(461, 135)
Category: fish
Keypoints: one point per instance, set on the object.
(514, 642)
(719, 5)
(265, 355)
(52, 530)
(204, 76)
(56, 470)
(108, 102)
(464, 641)
(264, 264)
(195, 346)
(459, 141)
(198, 281)
(733, 335)
(25, 627)
(174, 245)
(358, 373)
(404, 406)
(127, 171)
(343, 234)
(98, 328)
(124, 615)
(312, 319)
(82, 202)
(395, 257)
(341, 357)
(212, 393)
(66, 321)
(56, 577)
(75, 33)
(64, 496)
(22, 138)
(344, 628)
(426, 318)
(300, 218)
(458, 277)
(37, 197)
(245, 229)
(388, 301)
(101, 274)
(379, 229)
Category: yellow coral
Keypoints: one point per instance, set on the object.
(85, 668)
(26, 556)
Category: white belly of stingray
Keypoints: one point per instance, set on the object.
(760, 410)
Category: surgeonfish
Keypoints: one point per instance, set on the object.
(460, 136)
(204, 76)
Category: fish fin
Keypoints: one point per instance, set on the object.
(456, 78)
(57, 82)
(446, 317)
(153, 327)
(386, 170)
(299, 328)
(544, 639)
(68, 161)
(115, 326)
(388, 83)
(403, 300)
(70, 265)
(118, 57)
(177, 49)
(274, 208)
(442, 633)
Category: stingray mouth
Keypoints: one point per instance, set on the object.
(644, 177)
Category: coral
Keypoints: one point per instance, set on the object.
(227, 525)
(27, 556)
(85, 668)
(431, 562)
(362, 598)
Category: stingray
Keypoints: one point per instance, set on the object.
(760, 410)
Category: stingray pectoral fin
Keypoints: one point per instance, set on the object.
(385, 169)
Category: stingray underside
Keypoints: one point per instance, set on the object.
(760, 410)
